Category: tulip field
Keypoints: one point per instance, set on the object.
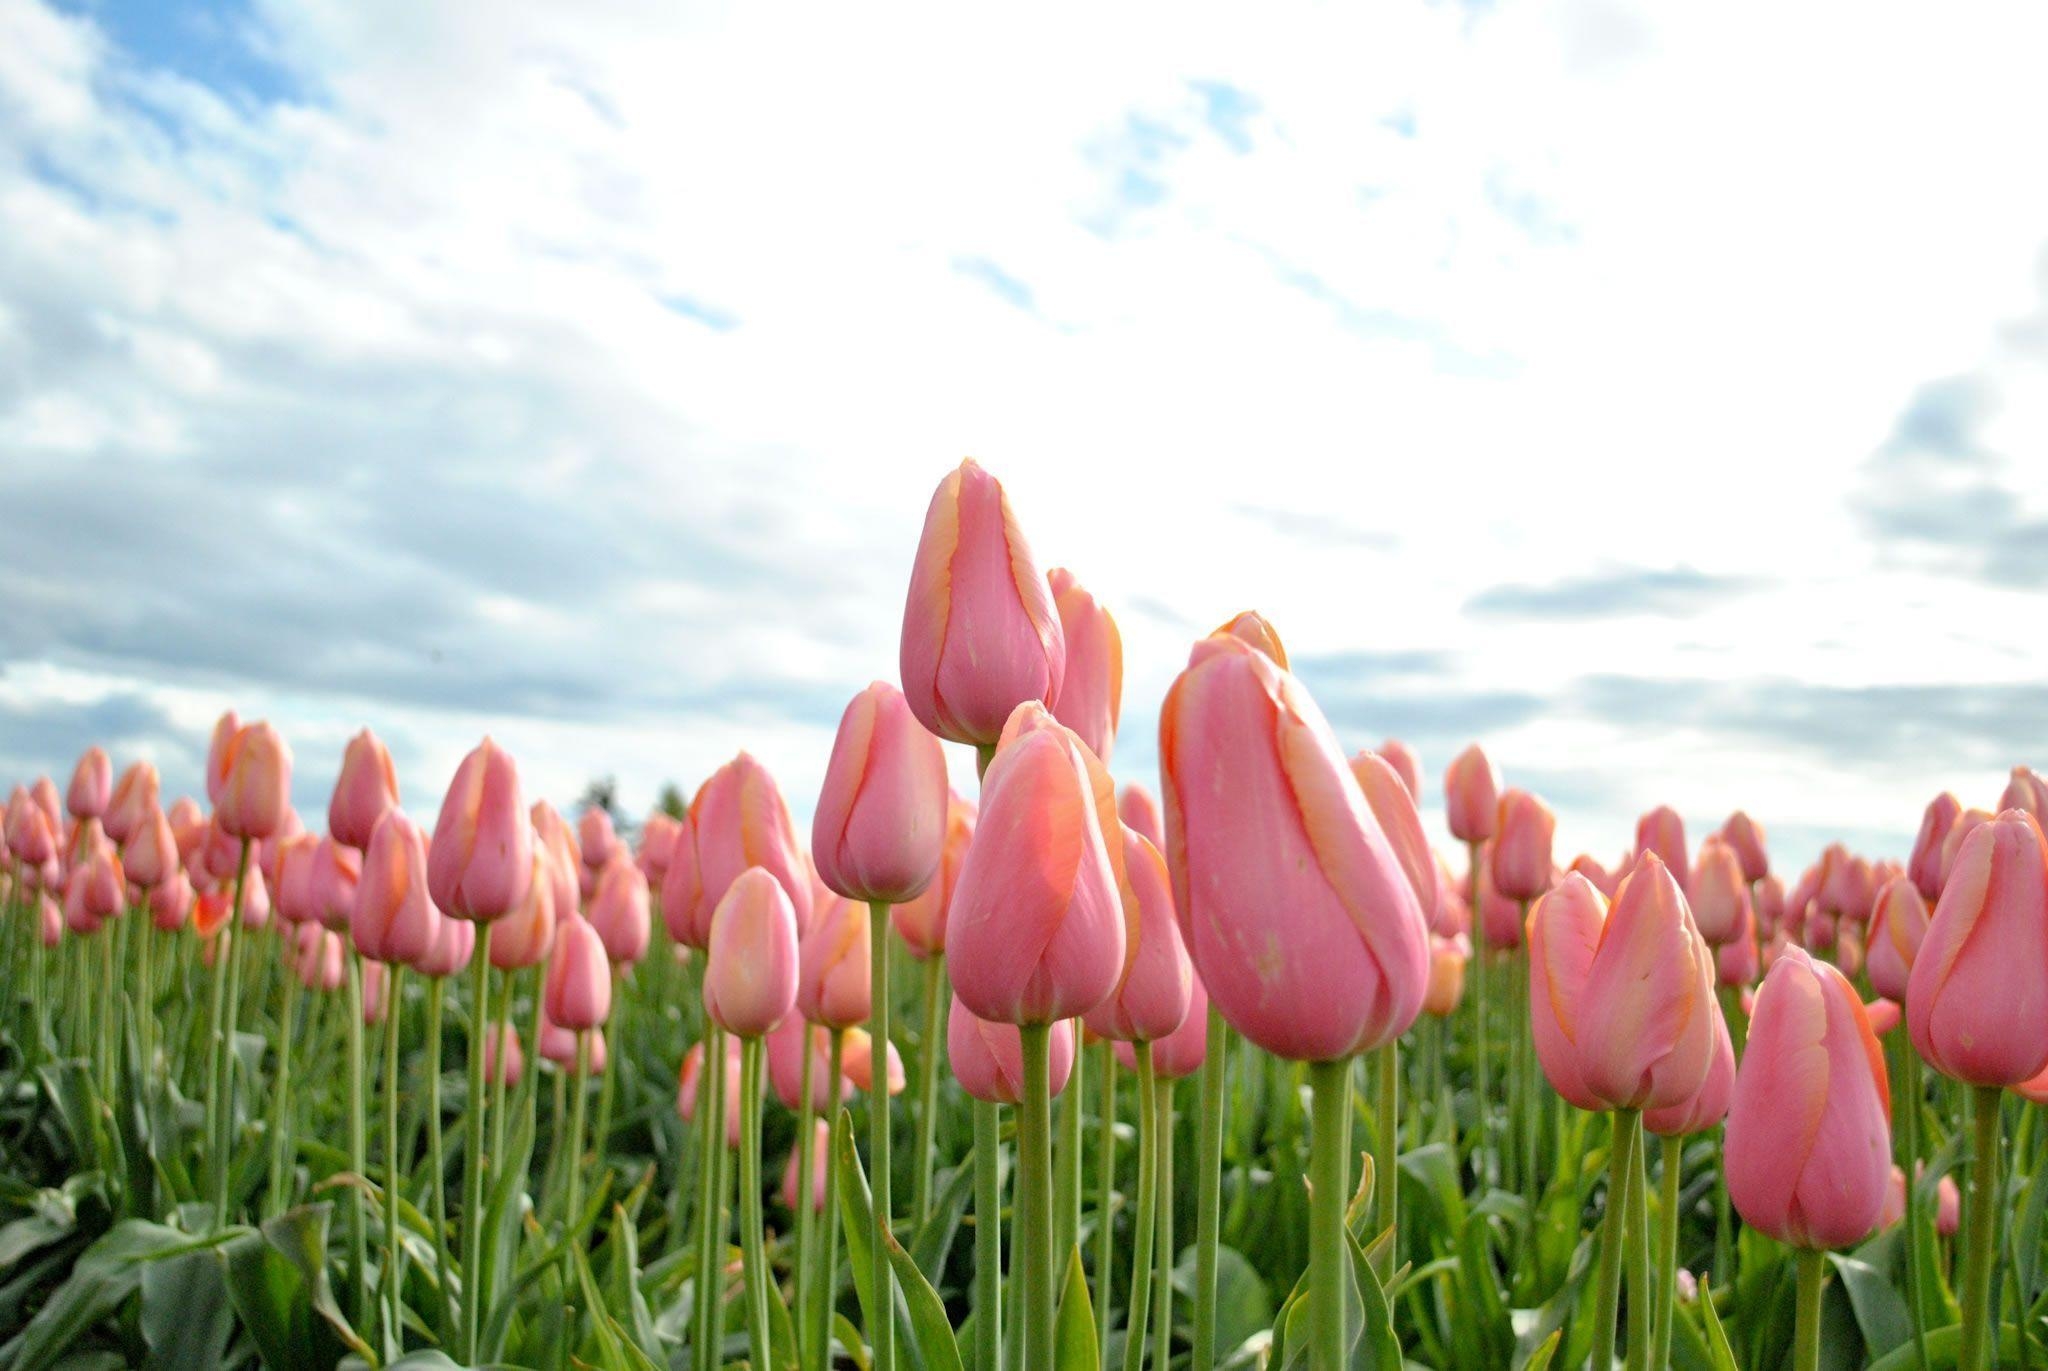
(1235, 1068)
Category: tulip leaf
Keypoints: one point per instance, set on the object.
(186, 1316)
(1717, 1337)
(1881, 1314)
(108, 1273)
(1074, 1346)
(857, 1225)
(1545, 1351)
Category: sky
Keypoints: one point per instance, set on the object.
(1654, 393)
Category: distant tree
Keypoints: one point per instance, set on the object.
(672, 802)
(601, 793)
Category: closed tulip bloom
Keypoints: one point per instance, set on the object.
(1709, 1104)
(1966, 823)
(394, 919)
(1447, 958)
(1453, 914)
(2024, 791)
(1407, 766)
(1948, 1205)
(881, 818)
(92, 785)
(1091, 689)
(1661, 831)
(219, 754)
(1500, 918)
(103, 885)
(980, 632)
(1152, 994)
(821, 1148)
(1978, 990)
(1139, 809)
(687, 1087)
(1180, 1053)
(657, 841)
(1255, 629)
(786, 1065)
(1472, 796)
(1565, 930)
(1300, 919)
(256, 791)
(1720, 894)
(750, 968)
(1896, 931)
(1767, 902)
(170, 902)
(264, 854)
(295, 896)
(366, 787)
(210, 912)
(526, 936)
(1393, 805)
(1521, 846)
(1596, 872)
(79, 918)
(833, 963)
(1746, 836)
(135, 797)
(596, 836)
(1735, 961)
(503, 1056)
(1809, 1136)
(738, 820)
(1848, 889)
(220, 854)
(682, 888)
(859, 1063)
(481, 857)
(454, 945)
(988, 1058)
(578, 991)
(304, 942)
(151, 853)
(30, 835)
(1645, 1027)
(1883, 1014)
(1036, 931)
(558, 1045)
(255, 899)
(921, 920)
(1925, 865)
(337, 872)
(619, 908)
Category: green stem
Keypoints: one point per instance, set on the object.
(474, 1296)
(1137, 1321)
(501, 1029)
(710, 1237)
(928, 1050)
(753, 1251)
(1975, 1351)
(145, 998)
(882, 1277)
(394, 1325)
(825, 1297)
(1806, 1331)
(1034, 1196)
(1209, 1192)
(579, 1098)
(1066, 1182)
(1620, 1165)
(988, 1237)
(1638, 1240)
(1483, 1147)
(1328, 1261)
(358, 1144)
(436, 1155)
(1105, 1197)
(1162, 1252)
(1386, 1154)
(1909, 1134)
(280, 1094)
(800, 1279)
(1667, 1251)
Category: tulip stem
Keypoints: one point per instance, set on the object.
(988, 1236)
(358, 1142)
(1034, 1195)
(753, 1250)
(1105, 1196)
(145, 997)
(928, 1081)
(579, 1101)
(700, 1330)
(800, 1278)
(1483, 1114)
(1909, 1142)
(1328, 1262)
(882, 1315)
(1620, 1165)
(1208, 1192)
(1135, 1323)
(1066, 1185)
(436, 1156)
(221, 1056)
(712, 1271)
(500, 1030)
(1162, 1251)
(1667, 1251)
(394, 1325)
(1974, 1354)
(822, 1298)
(1806, 1331)
(1638, 1240)
(1386, 1155)
(473, 1293)
(280, 1092)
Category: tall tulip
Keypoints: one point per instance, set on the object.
(1746, 836)
(394, 920)
(136, 794)
(1720, 891)
(1896, 932)
(92, 784)
(1091, 690)
(1661, 831)
(737, 820)
(256, 787)
(366, 787)
(1407, 766)
(619, 908)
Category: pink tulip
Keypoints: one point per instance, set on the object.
(1472, 796)
(1720, 893)
(1500, 918)
(255, 899)
(220, 855)
(1948, 1204)
(296, 856)
(1521, 846)
(1254, 629)
(1808, 1146)
(578, 990)
(558, 1045)
(682, 889)
(135, 797)
(1978, 990)
(102, 887)
(1767, 901)
(1036, 931)
(337, 873)
(1565, 931)
(1966, 823)
(481, 857)
(860, 1064)
(881, 819)
(263, 854)
(1883, 1014)
(988, 1058)
(596, 837)
(1407, 766)
(1180, 1053)
(366, 787)
(50, 920)
(657, 841)
(256, 787)
(218, 754)
(1746, 836)
(834, 964)
(394, 920)
(2024, 791)
(1139, 810)
(1447, 958)
(92, 784)
(552, 832)
(1894, 1207)
(454, 945)
(619, 909)
(1393, 806)
(375, 981)
(1661, 831)
(687, 1087)
(1092, 688)
(980, 632)
(1709, 1104)
(501, 1046)
(31, 837)
(737, 821)
(786, 1065)
(1848, 890)
(170, 902)
(1925, 865)
(821, 1159)
(1301, 922)
(151, 853)
(1735, 961)
(1151, 997)
(921, 920)
(1896, 931)
(750, 968)
(526, 936)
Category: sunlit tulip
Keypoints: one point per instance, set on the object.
(102, 885)
(1500, 919)
(1661, 831)
(255, 899)
(1301, 922)
(263, 855)
(738, 820)
(786, 1065)
(1393, 806)
(988, 1058)
(1709, 1104)
(1092, 687)
(1746, 836)
(1254, 629)
(921, 920)
(1966, 823)
(687, 1087)
(394, 920)
(1472, 796)
(366, 786)
(2024, 791)
(578, 990)
(860, 1065)
(150, 855)
(1521, 858)
(256, 787)
(1407, 766)
(1565, 931)
(821, 1160)
(481, 857)
(1767, 902)
(1847, 890)
(980, 632)
(1808, 1149)
(219, 754)
(833, 964)
(31, 837)
(1736, 961)
(135, 797)
(1978, 989)
(881, 817)
(1896, 931)
(1719, 892)
(619, 908)
(92, 784)
(750, 967)
(1150, 1000)
(1447, 958)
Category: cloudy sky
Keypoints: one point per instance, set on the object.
(1655, 393)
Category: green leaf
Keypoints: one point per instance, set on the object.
(107, 1274)
(1244, 1302)
(1074, 1346)
(857, 1225)
(933, 1241)
(1881, 1313)
(1545, 1350)
(1376, 1348)
(1717, 1337)
(277, 1280)
(935, 1341)
(187, 1318)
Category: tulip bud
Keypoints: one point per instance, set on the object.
(1720, 893)
(394, 921)
(619, 908)
(558, 1045)
(134, 799)
(92, 783)
(1180, 1053)
(1948, 1203)
(1401, 757)
(1521, 846)
(1565, 931)
(1447, 958)
(688, 1087)
(1966, 823)
(1735, 961)
(1746, 836)
(737, 821)
(218, 755)
(1596, 872)
(1393, 806)
(1253, 628)
(578, 991)
(102, 887)
(821, 1158)
(170, 902)
(921, 920)
(1982, 970)
(256, 786)
(1709, 1104)
(1137, 808)
(481, 857)
(454, 945)
(596, 837)
(988, 1058)
(255, 899)
(1472, 796)
(2024, 791)
(31, 837)
(1883, 1014)
(786, 1042)
(750, 968)
(1661, 831)
(375, 983)
(980, 632)
(1500, 918)
(151, 855)
(501, 1049)
(833, 964)
(1152, 992)
(1808, 1146)
(881, 817)
(860, 1063)
(1896, 931)
(1301, 921)
(526, 936)
(657, 841)
(366, 787)
(1925, 865)
(1767, 902)
(1091, 689)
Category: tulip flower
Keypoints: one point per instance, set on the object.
(1646, 1013)
(1091, 688)
(170, 903)
(750, 970)
(394, 920)
(1710, 1103)
(1393, 805)
(738, 820)
(619, 908)
(480, 859)
(2024, 791)
(1896, 932)
(1767, 902)
(860, 1063)
(1746, 837)
(921, 921)
(1565, 931)
(256, 783)
(1500, 921)
(820, 1161)
(1884, 1015)
(1521, 846)
(365, 788)
(454, 944)
(504, 1059)
(1735, 961)
(1447, 958)
(786, 1067)
(560, 1046)
(150, 855)
(596, 837)
(1253, 628)
(987, 1057)
(1948, 1205)
(1661, 831)
(526, 936)
(1966, 823)
(578, 994)
(689, 1087)
(833, 983)
(1151, 996)
(657, 842)
(1472, 796)
(134, 798)
(1720, 892)
(1407, 766)
(881, 817)
(92, 784)
(981, 634)
(31, 837)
